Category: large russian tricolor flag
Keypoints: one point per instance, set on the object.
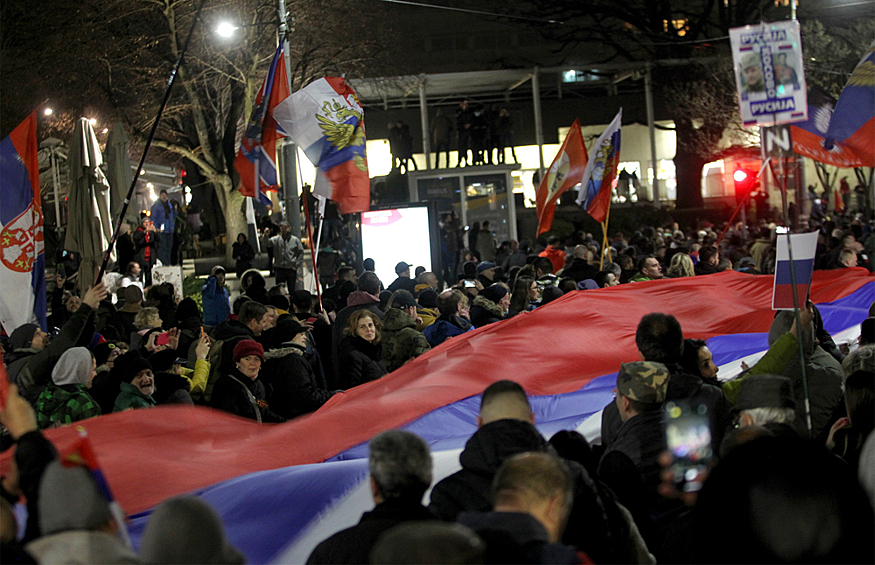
(282, 489)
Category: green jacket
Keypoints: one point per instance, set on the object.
(640, 278)
(772, 363)
(60, 405)
(131, 397)
(401, 342)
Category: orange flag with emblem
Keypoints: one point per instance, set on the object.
(565, 172)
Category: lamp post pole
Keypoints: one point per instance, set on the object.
(288, 147)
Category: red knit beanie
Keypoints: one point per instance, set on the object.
(246, 348)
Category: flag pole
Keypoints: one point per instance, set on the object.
(312, 251)
(605, 238)
(173, 74)
(782, 185)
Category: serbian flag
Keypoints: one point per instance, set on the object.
(804, 249)
(22, 262)
(601, 171)
(257, 156)
(565, 172)
(278, 503)
(327, 121)
(842, 137)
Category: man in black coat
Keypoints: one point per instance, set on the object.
(533, 497)
(401, 471)
(641, 389)
(505, 428)
(288, 378)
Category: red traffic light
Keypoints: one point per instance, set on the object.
(740, 175)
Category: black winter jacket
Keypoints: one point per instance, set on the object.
(238, 394)
(358, 362)
(289, 382)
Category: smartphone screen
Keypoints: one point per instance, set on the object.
(469, 284)
(688, 436)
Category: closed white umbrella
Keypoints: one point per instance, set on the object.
(89, 224)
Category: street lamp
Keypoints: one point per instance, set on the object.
(47, 112)
(226, 29)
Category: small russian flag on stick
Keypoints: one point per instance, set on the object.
(804, 246)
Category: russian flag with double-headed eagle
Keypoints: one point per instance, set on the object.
(842, 137)
(601, 171)
(22, 261)
(326, 119)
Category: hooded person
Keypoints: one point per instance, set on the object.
(185, 529)
(490, 305)
(427, 310)
(824, 373)
(66, 400)
(75, 521)
(137, 382)
(215, 298)
(401, 341)
(254, 286)
(290, 384)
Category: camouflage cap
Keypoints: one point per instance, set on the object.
(644, 381)
(750, 60)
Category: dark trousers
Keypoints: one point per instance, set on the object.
(288, 276)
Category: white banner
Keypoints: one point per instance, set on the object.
(769, 73)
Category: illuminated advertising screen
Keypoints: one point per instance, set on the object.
(392, 236)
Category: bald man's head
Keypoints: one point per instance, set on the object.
(504, 400)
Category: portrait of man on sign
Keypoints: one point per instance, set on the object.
(752, 74)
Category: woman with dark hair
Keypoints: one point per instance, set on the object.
(243, 253)
(698, 360)
(525, 292)
(359, 353)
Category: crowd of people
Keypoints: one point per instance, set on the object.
(273, 355)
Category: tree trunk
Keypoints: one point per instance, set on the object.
(688, 164)
(235, 220)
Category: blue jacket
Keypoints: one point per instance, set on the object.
(216, 303)
(441, 330)
(163, 223)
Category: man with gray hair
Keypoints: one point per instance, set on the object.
(401, 471)
(767, 401)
